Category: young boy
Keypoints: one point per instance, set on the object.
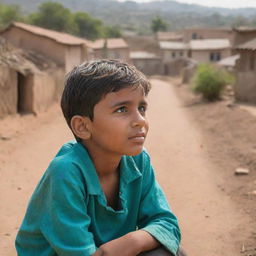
(99, 195)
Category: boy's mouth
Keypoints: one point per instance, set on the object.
(140, 137)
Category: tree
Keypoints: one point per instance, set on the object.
(8, 14)
(88, 26)
(54, 16)
(157, 24)
(112, 32)
(240, 21)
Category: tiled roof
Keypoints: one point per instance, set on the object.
(229, 61)
(209, 44)
(166, 45)
(245, 29)
(59, 37)
(143, 55)
(250, 45)
(112, 43)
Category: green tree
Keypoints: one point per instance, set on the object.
(112, 32)
(88, 26)
(158, 24)
(8, 14)
(54, 16)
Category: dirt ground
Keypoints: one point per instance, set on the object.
(195, 148)
(229, 133)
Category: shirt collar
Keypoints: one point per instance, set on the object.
(128, 170)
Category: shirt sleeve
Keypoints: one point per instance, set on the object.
(65, 223)
(155, 216)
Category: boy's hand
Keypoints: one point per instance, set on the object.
(130, 244)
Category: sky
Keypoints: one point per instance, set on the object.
(214, 3)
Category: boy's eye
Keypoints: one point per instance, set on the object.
(142, 108)
(121, 110)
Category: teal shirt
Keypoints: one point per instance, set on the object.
(68, 213)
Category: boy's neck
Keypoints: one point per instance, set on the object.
(105, 165)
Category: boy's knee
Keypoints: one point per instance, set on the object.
(163, 252)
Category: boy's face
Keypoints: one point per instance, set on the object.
(119, 126)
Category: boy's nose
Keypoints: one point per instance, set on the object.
(139, 120)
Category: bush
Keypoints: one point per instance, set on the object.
(210, 81)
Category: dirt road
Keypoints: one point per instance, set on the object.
(211, 225)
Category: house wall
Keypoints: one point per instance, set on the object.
(47, 89)
(149, 66)
(168, 55)
(243, 37)
(204, 55)
(8, 91)
(74, 55)
(121, 53)
(40, 44)
(245, 86)
(208, 34)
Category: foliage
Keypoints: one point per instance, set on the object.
(158, 24)
(8, 14)
(210, 81)
(112, 32)
(88, 26)
(54, 16)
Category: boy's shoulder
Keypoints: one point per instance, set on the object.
(68, 160)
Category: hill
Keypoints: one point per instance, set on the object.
(130, 15)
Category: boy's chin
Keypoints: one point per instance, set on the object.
(135, 152)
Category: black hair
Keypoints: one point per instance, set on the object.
(87, 83)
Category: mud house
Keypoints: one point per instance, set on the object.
(209, 50)
(64, 49)
(243, 35)
(173, 50)
(208, 33)
(28, 82)
(147, 62)
(169, 36)
(245, 87)
(112, 48)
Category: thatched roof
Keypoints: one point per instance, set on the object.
(25, 62)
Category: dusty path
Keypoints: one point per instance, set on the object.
(208, 219)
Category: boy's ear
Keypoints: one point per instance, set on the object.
(80, 126)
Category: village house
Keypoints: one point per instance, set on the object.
(243, 35)
(147, 62)
(112, 48)
(169, 36)
(245, 86)
(64, 49)
(173, 50)
(209, 50)
(208, 33)
(29, 83)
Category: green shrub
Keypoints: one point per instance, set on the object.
(210, 81)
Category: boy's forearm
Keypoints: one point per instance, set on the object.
(130, 244)
(144, 241)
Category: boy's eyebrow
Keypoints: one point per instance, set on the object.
(127, 102)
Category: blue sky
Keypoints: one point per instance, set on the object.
(214, 3)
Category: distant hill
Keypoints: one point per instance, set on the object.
(137, 16)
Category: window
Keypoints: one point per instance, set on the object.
(215, 56)
(173, 54)
(181, 54)
(194, 36)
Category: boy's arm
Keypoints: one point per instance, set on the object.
(130, 244)
(65, 222)
(155, 216)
